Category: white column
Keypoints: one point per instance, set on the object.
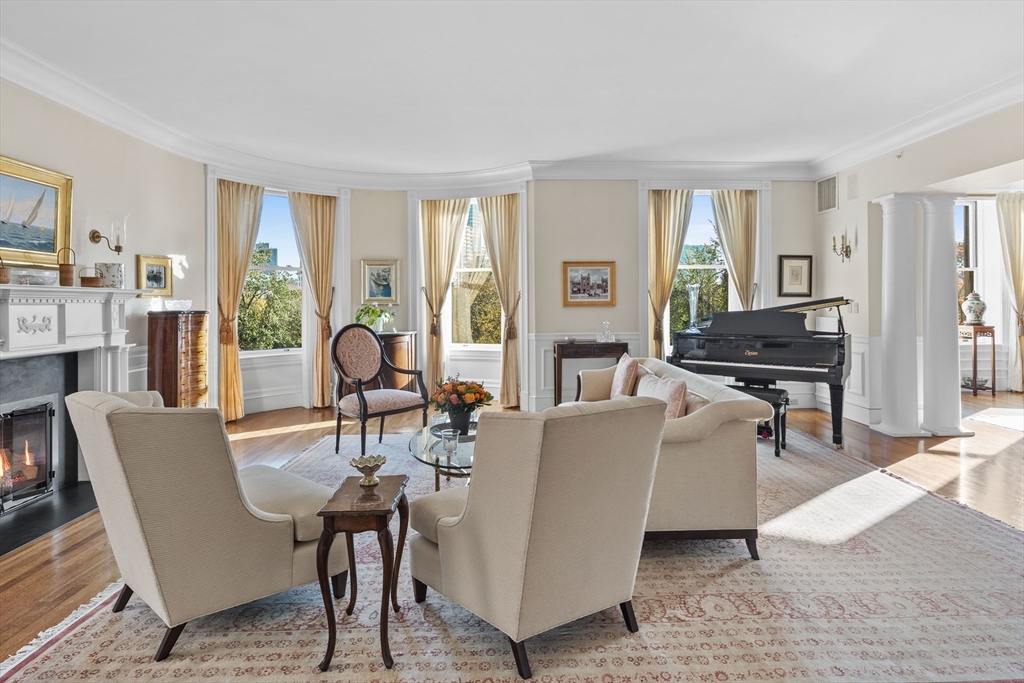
(941, 353)
(899, 319)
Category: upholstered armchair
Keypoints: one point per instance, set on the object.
(359, 359)
(550, 528)
(706, 483)
(191, 533)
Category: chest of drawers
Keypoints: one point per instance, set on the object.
(178, 357)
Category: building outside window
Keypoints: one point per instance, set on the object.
(475, 306)
(702, 262)
(270, 311)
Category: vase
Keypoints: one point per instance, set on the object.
(694, 291)
(974, 308)
(460, 421)
(378, 326)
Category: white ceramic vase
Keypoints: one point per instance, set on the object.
(111, 275)
(974, 309)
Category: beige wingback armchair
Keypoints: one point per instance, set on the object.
(551, 527)
(191, 533)
(706, 483)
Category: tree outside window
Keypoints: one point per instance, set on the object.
(966, 254)
(703, 263)
(475, 306)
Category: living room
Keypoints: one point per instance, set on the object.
(824, 117)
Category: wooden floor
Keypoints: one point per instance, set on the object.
(43, 582)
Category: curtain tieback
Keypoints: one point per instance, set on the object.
(435, 325)
(325, 320)
(659, 329)
(510, 319)
(227, 326)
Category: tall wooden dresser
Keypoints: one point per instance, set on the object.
(177, 357)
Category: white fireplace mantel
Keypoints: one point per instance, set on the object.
(37, 321)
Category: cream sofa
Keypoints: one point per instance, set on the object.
(706, 482)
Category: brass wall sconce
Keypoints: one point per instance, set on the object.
(844, 249)
(118, 231)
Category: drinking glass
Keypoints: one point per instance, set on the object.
(450, 444)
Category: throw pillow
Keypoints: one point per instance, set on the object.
(695, 402)
(625, 376)
(641, 372)
(671, 391)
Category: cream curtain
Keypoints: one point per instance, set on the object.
(313, 216)
(736, 216)
(441, 222)
(668, 215)
(238, 221)
(1010, 209)
(501, 233)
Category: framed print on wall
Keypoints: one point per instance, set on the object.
(35, 214)
(155, 273)
(794, 275)
(588, 283)
(381, 283)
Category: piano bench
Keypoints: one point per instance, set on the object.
(779, 399)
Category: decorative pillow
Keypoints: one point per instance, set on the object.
(641, 372)
(695, 402)
(671, 391)
(625, 376)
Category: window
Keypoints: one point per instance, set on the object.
(965, 227)
(475, 306)
(700, 263)
(270, 311)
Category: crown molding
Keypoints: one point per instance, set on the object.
(27, 70)
(1005, 92)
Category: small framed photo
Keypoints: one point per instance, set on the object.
(588, 283)
(381, 283)
(155, 273)
(795, 276)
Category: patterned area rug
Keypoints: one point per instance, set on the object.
(1008, 418)
(863, 577)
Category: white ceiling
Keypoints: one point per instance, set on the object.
(445, 87)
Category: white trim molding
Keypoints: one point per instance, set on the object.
(542, 367)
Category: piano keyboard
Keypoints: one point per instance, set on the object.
(766, 366)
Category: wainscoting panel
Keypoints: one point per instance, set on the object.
(542, 365)
(138, 368)
(271, 380)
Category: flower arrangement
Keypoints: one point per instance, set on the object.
(454, 396)
(374, 316)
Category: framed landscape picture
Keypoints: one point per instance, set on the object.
(154, 273)
(794, 275)
(381, 283)
(35, 214)
(588, 283)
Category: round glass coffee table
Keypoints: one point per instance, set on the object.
(425, 446)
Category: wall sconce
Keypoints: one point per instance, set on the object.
(118, 234)
(844, 249)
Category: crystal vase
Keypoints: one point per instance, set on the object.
(694, 291)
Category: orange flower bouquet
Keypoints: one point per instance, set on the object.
(459, 399)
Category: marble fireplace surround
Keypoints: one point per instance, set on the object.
(89, 321)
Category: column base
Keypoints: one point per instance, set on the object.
(890, 430)
(947, 431)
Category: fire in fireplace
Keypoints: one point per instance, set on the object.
(25, 455)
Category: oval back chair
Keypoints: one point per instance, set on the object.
(359, 359)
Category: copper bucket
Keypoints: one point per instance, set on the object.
(90, 280)
(67, 270)
(5, 273)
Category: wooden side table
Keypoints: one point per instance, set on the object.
(584, 349)
(972, 332)
(353, 509)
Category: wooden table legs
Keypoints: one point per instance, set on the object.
(391, 561)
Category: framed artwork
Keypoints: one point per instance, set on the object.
(381, 283)
(588, 283)
(155, 273)
(35, 214)
(794, 275)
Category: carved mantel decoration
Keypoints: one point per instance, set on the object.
(33, 327)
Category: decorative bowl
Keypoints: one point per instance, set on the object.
(368, 466)
(968, 381)
(177, 304)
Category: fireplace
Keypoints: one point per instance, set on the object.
(26, 447)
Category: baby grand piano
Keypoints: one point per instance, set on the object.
(771, 345)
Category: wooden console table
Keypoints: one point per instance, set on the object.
(583, 349)
(972, 332)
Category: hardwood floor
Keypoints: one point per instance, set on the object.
(43, 582)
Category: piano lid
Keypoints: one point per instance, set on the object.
(780, 321)
(834, 302)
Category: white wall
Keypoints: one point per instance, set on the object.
(380, 229)
(113, 172)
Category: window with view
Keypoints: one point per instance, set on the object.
(475, 307)
(965, 227)
(703, 263)
(270, 311)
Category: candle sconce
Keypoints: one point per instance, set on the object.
(843, 250)
(118, 234)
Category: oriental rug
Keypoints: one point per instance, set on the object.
(862, 577)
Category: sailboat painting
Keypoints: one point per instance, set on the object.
(35, 213)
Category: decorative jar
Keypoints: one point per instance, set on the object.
(974, 308)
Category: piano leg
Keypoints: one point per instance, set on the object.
(836, 394)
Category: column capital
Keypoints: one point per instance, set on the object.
(938, 202)
(895, 203)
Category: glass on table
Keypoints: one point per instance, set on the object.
(450, 444)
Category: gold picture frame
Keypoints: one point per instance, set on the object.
(381, 281)
(35, 214)
(588, 283)
(155, 273)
